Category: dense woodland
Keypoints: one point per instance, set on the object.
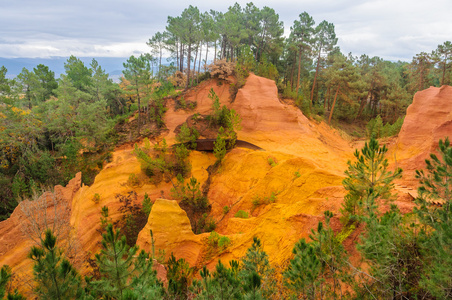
(52, 128)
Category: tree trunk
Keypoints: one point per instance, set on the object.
(199, 62)
(207, 52)
(160, 62)
(181, 64)
(326, 97)
(194, 63)
(177, 55)
(299, 70)
(223, 48)
(188, 65)
(139, 106)
(315, 78)
(334, 102)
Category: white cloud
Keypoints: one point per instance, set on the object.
(392, 29)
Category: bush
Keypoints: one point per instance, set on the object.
(133, 180)
(194, 203)
(187, 136)
(163, 163)
(219, 146)
(96, 198)
(272, 161)
(241, 214)
(221, 69)
(241, 73)
(226, 209)
(146, 205)
(258, 201)
(133, 217)
(267, 69)
(376, 129)
(217, 241)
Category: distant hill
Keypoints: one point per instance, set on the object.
(112, 65)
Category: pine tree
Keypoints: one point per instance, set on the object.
(179, 274)
(56, 278)
(146, 205)
(115, 262)
(391, 248)
(219, 146)
(255, 263)
(333, 257)
(5, 275)
(368, 175)
(436, 185)
(144, 283)
(302, 275)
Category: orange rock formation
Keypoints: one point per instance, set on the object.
(428, 119)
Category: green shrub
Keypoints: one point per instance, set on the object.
(194, 203)
(224, 242)
(376, 129)
(187, 136)
(217, 241)
(96, 198)
(219, 146)
(146, 205)
(272, 161)
(241, 214)
(226, 209)
(163, 163)
(258, 201)
(133, 180)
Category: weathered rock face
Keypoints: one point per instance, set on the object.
(22, 230)
(112, 181)
(172, 232)
(428, 119)
(274, 126)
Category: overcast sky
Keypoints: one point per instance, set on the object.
(391, 29)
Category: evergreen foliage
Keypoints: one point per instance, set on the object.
(436, 185)
(303, 271)
(124, 274)
(179, 275)
(161, 163)
(257, 271)
(56, 278)
(187, 136)
(146, 206)
(5, 275)
(392, 249)
(219, 146)
(367, 178)
(194, 202)
(375, 128)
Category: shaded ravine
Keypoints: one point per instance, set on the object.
(208, 144)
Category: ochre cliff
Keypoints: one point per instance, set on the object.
(428, 119)
(21, 231)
